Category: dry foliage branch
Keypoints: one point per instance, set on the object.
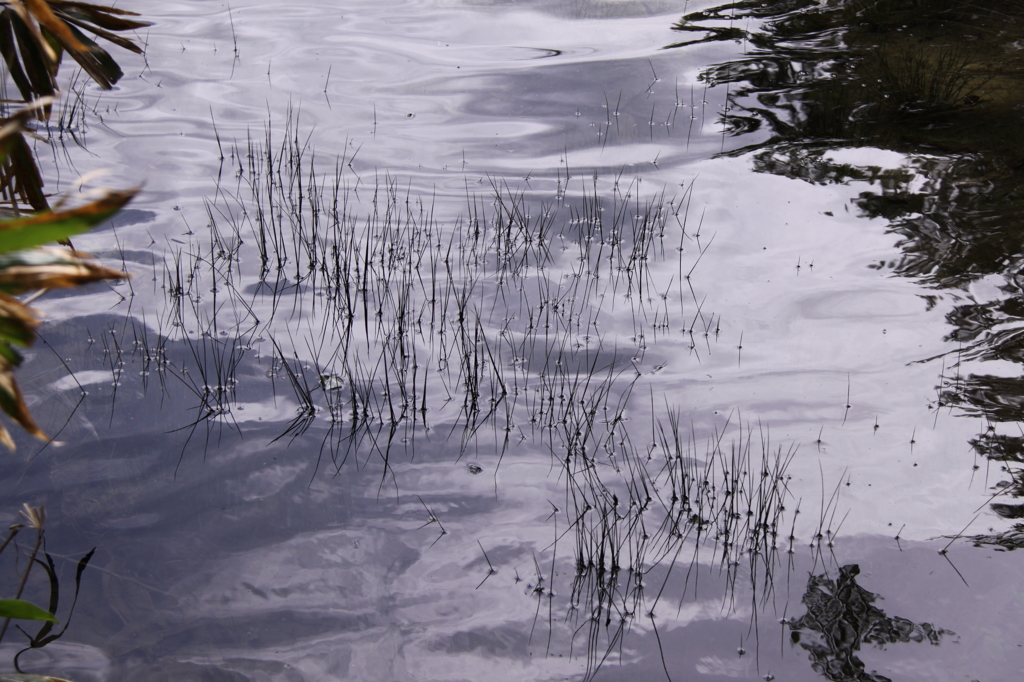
(34, 36)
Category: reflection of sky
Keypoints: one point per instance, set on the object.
(387, 61)
(866, 157)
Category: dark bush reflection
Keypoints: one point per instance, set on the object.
(841, 616)
(936, 81)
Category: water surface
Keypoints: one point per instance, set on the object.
(506, 340)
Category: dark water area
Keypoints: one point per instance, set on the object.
(542, 341)
(939, 80)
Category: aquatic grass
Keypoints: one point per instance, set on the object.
(443, 303)
(525, 325)
(728, 500)
(71, 117)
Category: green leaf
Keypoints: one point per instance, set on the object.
(23, 610)
(46, 227)
(9, 354)
(14, 330)
(42, 233)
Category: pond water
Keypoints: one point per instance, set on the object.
(522, 341)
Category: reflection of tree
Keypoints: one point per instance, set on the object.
(936, 81)
(889, 74)
(840, 617)
(1009, 450)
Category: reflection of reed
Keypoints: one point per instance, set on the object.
(725, 503)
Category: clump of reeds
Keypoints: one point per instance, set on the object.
(724, 501)
(385, 321)
(474, 321)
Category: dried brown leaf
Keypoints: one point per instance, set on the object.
(13, 403)
(43, 13)
(120, 41)
(36, 35)
(39, 63)
(5, 438)
(26, 278)
(18, 322)
(8, 41)
(105, 17)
